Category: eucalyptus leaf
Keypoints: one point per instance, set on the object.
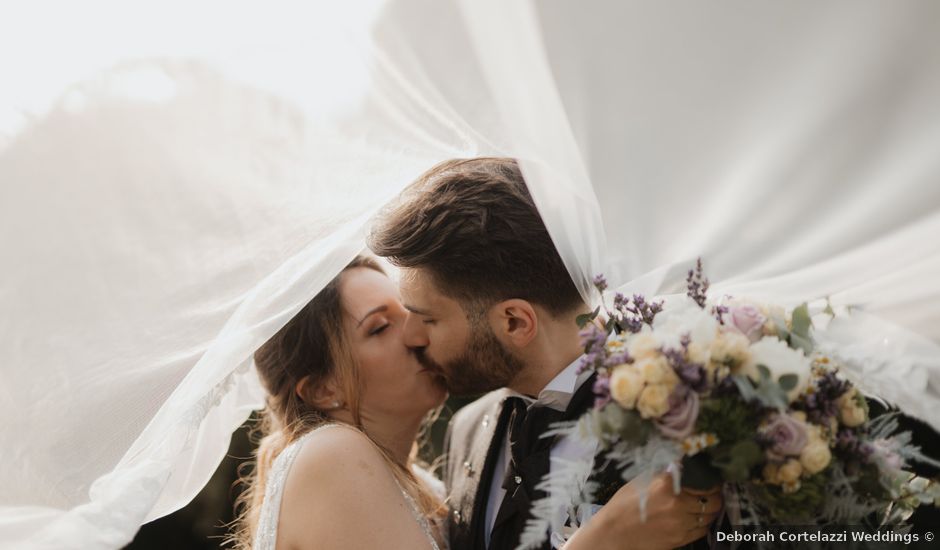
(799, 342)
(788, 381)
(800, 321)
(737, 461)
(586, 318)
(783, 332)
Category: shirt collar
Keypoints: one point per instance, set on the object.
(557, 393)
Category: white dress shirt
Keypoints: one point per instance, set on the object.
(557, 394)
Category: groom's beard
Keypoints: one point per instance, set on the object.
(485, 365)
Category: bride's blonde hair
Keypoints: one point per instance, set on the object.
(312, 344)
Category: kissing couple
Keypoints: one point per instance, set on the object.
(485, 305)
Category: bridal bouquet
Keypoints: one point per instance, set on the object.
(734, 392)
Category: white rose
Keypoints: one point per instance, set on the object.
(815, 457)
(654, 401)
(643, 344)
(625, 385)
(682, 316)
(780, 359)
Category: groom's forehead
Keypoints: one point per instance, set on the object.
(418, 290)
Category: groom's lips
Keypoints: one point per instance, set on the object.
(428, 365)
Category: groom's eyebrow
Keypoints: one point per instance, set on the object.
(415, 310)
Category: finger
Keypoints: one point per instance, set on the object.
(701, 505)
(702, 492)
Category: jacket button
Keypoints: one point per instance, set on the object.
(517, 479)
(468, 468)
(457, 516)
(486, 420)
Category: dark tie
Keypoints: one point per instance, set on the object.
(529, 462)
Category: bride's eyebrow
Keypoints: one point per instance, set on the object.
(370, 312)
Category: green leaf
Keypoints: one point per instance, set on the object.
(788, 381)
(764, 372)
(737, 461)
(800, 321)
(745, 387)
(767, 392)
(782, 331)
(629, 425)
(800, 337)
(586, 318)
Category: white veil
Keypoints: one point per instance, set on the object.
(176, 183)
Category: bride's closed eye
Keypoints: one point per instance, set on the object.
(379, 329)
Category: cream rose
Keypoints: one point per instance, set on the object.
(625, 385)
(815, 457)
(851, 414)
(656, 370)
(643, 345)
(731, 348)
(654, 401)
(790, 471)
(771, 473)
(699, 353)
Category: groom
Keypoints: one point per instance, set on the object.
(492, 309)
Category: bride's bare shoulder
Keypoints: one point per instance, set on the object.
(338, 484)
(337, 455)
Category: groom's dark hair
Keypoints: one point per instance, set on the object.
(472, 225)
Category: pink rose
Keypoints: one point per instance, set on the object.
(683, 412)
(748, 320)
(787, 436)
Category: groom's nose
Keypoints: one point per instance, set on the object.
(415, 333)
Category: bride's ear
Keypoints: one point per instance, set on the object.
(514, 322)
(324, 396)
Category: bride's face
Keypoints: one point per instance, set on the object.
(393, 381)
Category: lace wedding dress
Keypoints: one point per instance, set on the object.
(266, 535)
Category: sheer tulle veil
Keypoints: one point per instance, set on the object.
(175, 183)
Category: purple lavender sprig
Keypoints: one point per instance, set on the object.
(595, 351)
(823, 403)
(692, 374)
(632, 313)
(697, 284)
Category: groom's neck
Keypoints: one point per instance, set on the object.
(557, 345)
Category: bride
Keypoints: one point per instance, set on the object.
(346, 398)
(345, 402)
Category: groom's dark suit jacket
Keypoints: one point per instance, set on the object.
(471, 450)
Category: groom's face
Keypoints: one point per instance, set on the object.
(462, 349)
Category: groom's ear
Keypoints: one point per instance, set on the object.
(514, 322)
